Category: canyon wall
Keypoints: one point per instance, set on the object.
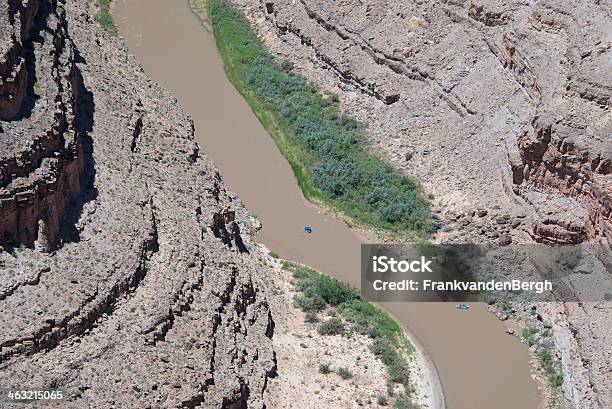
(41, 157)
(127, 272)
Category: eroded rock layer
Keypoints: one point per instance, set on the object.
(127, 275)
(41, 155)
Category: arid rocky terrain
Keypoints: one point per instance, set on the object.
(501, 109)
(124, 277)
(129, 274)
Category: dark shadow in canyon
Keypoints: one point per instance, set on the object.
(29, 55)
(69, 231)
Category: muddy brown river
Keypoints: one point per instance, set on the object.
(479, 366)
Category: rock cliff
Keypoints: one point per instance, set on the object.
(127, 273)
(42, 154)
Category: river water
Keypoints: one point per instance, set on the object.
(479, 366)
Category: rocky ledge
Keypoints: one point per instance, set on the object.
(127, 271)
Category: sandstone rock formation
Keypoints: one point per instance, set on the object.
(126, 275)
(500, 108)
(42, 154)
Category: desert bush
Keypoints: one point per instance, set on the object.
(105, 18)
(550, 367)
(311, 317)
(344, 373)
(403, 402)
(334, 326)
(529, 335)
(309, 303)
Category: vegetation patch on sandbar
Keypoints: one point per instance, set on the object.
(318, 293)
(324, 146)
(104, 17)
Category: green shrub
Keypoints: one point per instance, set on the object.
(344, 373)
(529, 334)
(333, 291)
(286, 65)
(399, 372)
(324, 369)
(384, 350)
(311, 317)
(361, 327)
(373, 332)
(324, 288)
(333, 326)
(505, 306)
(397, 365)
(390, 387)
(359, 310)
(105, 18)
(382, 400)
(312, 303)
(403, 402)
(550, 367)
